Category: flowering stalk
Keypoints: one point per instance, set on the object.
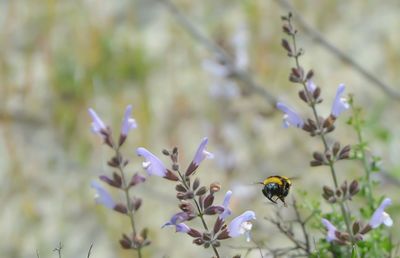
(119, 180)
(310, 95)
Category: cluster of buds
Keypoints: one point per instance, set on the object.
(197, 201)
(343, 193)
(332, 154)
(359, 229)
(118, 180)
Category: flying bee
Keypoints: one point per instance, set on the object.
(276, 186)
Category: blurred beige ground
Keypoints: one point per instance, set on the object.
(60, 57)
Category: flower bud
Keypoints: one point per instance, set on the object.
(196, 184)
(354, 188)
(215, 187)
(198, 241)
(201, 191)
(121, 208)
(335, 148)
(356, 227)
(327, 190)
(180, 188)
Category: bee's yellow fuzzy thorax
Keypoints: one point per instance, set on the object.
(273, 179)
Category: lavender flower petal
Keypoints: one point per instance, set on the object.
(339, 104)
(201, 153)
(225, 204)
(330, 235)
(290, 118)
(97, 124)
(311, 87)
(152, 164)
(380, 216)
(128, 123)
(103, 197)
(241, 225)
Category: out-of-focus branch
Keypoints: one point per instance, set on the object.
(240, 75)
(319, 38)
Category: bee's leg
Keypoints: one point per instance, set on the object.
(269, 198)
(283, 200)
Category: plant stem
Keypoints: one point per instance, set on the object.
(200, 214)
(125, 188)
(357, 127)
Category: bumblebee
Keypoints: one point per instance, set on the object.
(276, 186)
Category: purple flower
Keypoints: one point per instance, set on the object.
(97, 125)
(311, 87)
(177, 221)
(330, 235)
(225, 204)
(290, 118)
(102, 196)
(339, 104)
(380, 216)
(201, 153)
(152, 164)
(241, 225)
(128, 123)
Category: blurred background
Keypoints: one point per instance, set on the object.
(58, 58)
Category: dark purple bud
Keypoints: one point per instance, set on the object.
(121, 208)
(366, 229)
(285, 45)
(329, 122)
(354, 188)
(316, 94)
(180, 188)
(196, 184)
(189, 195)
(136, 179)
(327, 190)
(335, 148)
(208, 201)
(186, 207)
(318, 156)
(344, 188)
(194, 233)
(345, 152)
(114, 162)
(356, 227)
(310, 75)
(175, 167)
(212, 210)
(125, 242)
(201, 191)
(312, 124)
(180, 196)
(223, 235)
(171, 176)
(338, 193)
(166, 152)
(144, 233)
(201, 201)
(191, 169)
(198, 241)
(303, 96)
(236, 256)
(110, 181)
(136, 203)
(218, 225)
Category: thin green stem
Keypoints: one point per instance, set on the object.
(200, 213)
(357, 127)
(125, 188)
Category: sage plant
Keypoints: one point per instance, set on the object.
(353, 232)
(120, 180)
(197, 201)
